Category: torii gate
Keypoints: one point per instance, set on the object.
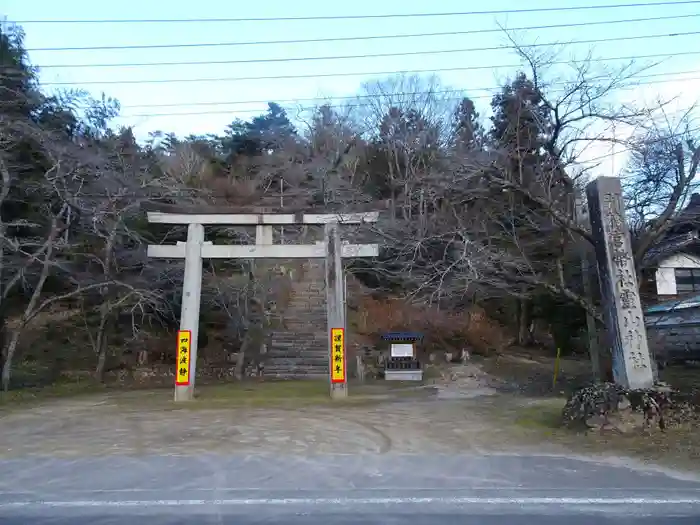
(196, 249)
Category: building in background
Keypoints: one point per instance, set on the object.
(672, 267)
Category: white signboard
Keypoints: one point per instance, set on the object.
(402, 350)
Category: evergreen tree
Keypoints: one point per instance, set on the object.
(468, 133)
(263, 133)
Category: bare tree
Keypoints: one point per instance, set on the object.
(248, 301)
(659, 181)
(407, 122)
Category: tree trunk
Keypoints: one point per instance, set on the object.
(3, 336)
(524, 323)
(240, 364)
(9, 355)
(29, 311)
(100, 369)
(247, 344)
(101, 336)
(101, 342)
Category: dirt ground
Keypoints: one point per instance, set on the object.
(489, 405)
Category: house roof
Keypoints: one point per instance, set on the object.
(670, 306)
(678, 238)
(670, 246)
(690, 215)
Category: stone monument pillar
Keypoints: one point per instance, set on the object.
(626, 333)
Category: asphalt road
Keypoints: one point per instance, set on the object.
(342, 489)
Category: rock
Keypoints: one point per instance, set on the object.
(595, 422)
(627, 411)
(623, 403)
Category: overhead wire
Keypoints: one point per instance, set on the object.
(374, 55)
(362, 73)
(397, 94)
(370, 37)
(589, 7)
(630, 150)
(350, 106)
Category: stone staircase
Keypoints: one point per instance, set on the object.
(299, 348)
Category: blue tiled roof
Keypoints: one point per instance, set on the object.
(688, 302)
(402, 336)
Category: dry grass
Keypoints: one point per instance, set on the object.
(26, 397)
(266, 394)
(675, 447)
(446, 331)
(538, 416)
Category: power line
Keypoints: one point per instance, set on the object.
(301, 108)
(365, 17)
(630, 150)
(360, 105)
(355, 97)
(371, 37)
(351, 74)
(373, 55)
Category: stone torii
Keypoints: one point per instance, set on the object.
(196, 249)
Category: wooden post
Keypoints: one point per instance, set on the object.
(336, 311)
(189, 315)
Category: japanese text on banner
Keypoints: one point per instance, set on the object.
(337, 355)
(184, 341)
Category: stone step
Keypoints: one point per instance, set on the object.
(294, 369)
(299, 345)
(308, 357)
(312, 359)
(296, 353)
(304, 325)
(311, 376)
(300, 337)
(296, 361)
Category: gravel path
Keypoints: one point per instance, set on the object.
(452, 416)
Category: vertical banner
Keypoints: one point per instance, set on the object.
(184, 342)
(337, 355)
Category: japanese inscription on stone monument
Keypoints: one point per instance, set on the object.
(623, 311)
(182, 374)
(625, 282)
(337, 355)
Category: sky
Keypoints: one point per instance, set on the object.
(179, 89)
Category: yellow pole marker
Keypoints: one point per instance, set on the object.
(184, 342)
(338, 355)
